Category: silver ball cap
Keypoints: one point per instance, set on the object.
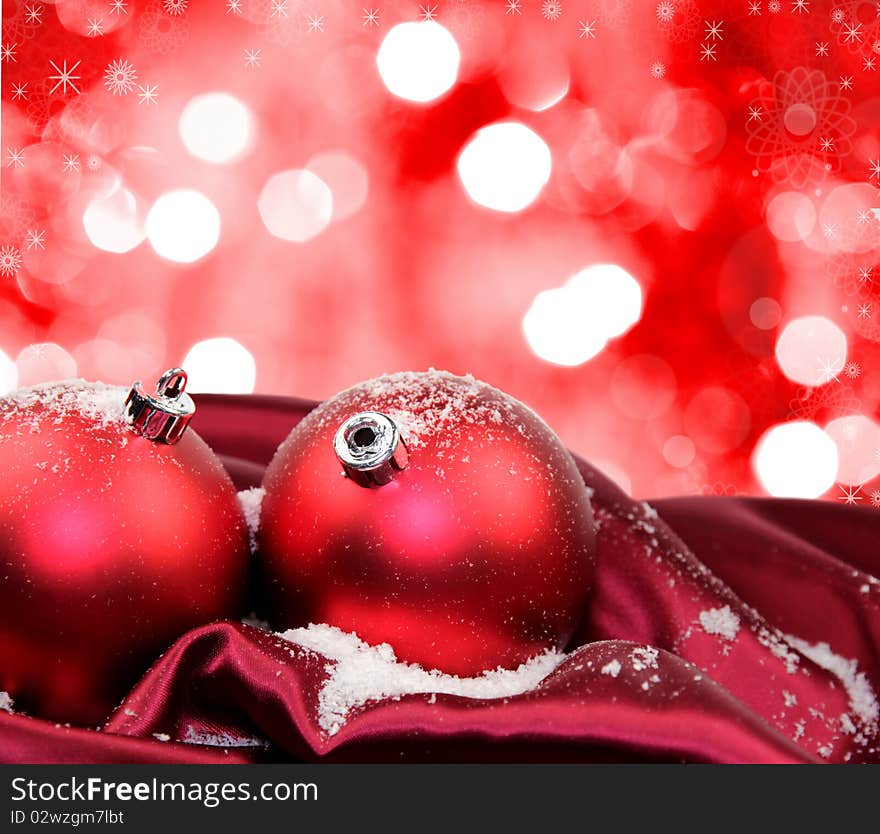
(162, 417)
(370, 448)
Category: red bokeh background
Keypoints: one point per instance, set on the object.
(725, 154)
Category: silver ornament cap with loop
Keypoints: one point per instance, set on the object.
(370, 449)
(164, 416)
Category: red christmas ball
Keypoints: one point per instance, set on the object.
(432, 512)
(112, 545)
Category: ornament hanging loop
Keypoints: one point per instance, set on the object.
(162, 417)
(370, 449)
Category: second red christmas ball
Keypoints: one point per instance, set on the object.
(118, 533)
(432, 512)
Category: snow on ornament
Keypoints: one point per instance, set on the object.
(434, 513)
(119, 531)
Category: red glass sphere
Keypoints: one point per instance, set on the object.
(478, 554)
(111, 547)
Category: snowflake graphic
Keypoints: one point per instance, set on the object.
(120, 77)
(875, 498)
(707, 52)
(665, 11)
(7, 52)
(800, 7)
(587, 29)
(551, 9)
(850, 494)
(427, 12)
(869, 64)
(15, 158)
(755, 114)
(175, 7)
(10, 261)
(755, 8)
(148, 93)
(64, 78)
(35, 239)
(684, 23)
(71, 163)
(715, 30)
(852, 33)
(119, 7)
(828, 370)
(160, 32)
(874, 169)
(853, 370)
(96, 27)
(658, 69)
(316, 23)
(370, 17)
(822, 49)
(252, 57)
(801, 106)
(845, 82)
(93, 162)
(19, 91)
(34, 14)
(774, 6)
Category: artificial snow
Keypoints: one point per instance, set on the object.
(251, 501)
(222, 739)
(6, 702)
(644, 658)
(445, 401)
(612, 668)
(721, 621)
(104, 404)
(359, 673)
(862, 700)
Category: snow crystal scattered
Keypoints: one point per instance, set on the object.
(721, 621)
(862, 700)
(359, 673)
(825, 751)
(846, 724)
(612, 668)
(790, 698)
(221, 739)
(644, 658)
(161, 737)
(6, 702)
(445, 401)
(95, 400)
(251, 501)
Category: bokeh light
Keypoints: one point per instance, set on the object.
(8, 374)
(679, 451)
(295, 205)
(795, 460)
(791, 216)
(112, 222)
(811, 350)
(216, 127)
(44, 362)
(765, 313)
(571, 324)
(183, 226)
(858, 448)
(505, 166)
(418, 61)
(346, 178)
(220, 366)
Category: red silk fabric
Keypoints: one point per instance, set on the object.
(734, 593)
